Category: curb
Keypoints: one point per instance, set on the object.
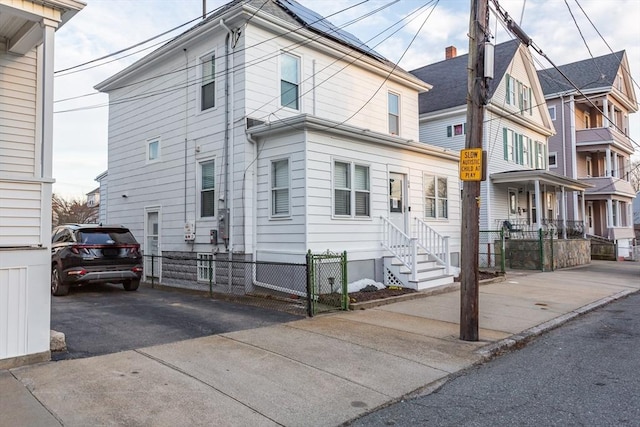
(452, 287)
(517, 341)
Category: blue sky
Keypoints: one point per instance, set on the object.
(107, 26)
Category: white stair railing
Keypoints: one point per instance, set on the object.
(403, 247)
(433, 243)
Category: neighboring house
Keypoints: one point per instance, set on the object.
(26, 120)
(520, 193)
(264, 132)
(592, 142)
(93, 202)
(103, 189)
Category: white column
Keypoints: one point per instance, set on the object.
(607, 163)
(609, 213)
(614, 169)
(584, 217)
(612, 114)
(618, 214)
(605, 112)
(538, 204)
(563, 213)
(46, 88)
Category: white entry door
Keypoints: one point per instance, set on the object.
(397, 200)
(152, 244)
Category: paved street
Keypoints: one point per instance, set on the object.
(585, 373)
(102, 319)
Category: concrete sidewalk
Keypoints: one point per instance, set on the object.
(323, 371)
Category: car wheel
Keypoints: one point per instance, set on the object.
(58, 288)
(131, 285)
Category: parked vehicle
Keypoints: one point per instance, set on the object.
(93, 253)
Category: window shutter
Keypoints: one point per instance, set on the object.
(449, 131)
(464, 128)
(520, 97)
(530, 102)
(505, 142)
(537, 163)
(520, 150)
(508, 88)
(530, 152)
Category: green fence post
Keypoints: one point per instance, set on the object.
(541, 243)
(345, 290)
(503, 256)
(210, 276)
(309, 284)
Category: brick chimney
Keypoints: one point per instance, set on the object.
(450, 52)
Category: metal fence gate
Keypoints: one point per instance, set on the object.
(327, 285)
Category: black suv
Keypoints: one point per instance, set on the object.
(92, 253)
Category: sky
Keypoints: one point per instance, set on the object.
(104, 27)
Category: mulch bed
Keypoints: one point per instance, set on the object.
(362, 296)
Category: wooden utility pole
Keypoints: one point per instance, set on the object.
(476, 99)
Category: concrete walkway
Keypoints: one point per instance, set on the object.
(322, 371)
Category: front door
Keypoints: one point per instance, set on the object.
(589, 219)
(152, 244)
(397, 200)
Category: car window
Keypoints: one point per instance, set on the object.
(105, 237)
(62, 235)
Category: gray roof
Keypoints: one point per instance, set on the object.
(449, 78)
(592, 73)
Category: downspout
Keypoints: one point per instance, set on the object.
(186, 126)
(228, 204)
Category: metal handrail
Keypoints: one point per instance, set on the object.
(433, 243)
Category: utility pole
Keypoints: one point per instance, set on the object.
(476, 99)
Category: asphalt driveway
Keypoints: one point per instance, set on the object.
(102, 319)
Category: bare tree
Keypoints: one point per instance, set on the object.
(634, 175)
(72, 211)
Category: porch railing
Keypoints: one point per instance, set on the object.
(433, 243)
(403, 247)
(519, 227)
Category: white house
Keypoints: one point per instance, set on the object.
(520, 192)
(264, 132)
(26, 83)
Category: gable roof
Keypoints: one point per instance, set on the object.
(588, 74)
(449, 78)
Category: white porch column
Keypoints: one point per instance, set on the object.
(607, 163)
(618, 214)
(584, 217)
(612, 114)
(563, 213)
(538, 204)
(609, 213)
(605, 112)
(614, 169)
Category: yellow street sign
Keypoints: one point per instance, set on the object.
(471, 164)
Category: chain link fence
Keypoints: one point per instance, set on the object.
(318, 286)
(491, 254)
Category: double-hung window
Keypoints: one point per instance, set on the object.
(208, 84)
(280, 188)
(351, 197)
(290, 81)
(153, 150)
(436, 204)
(394, 114)
(207, 189)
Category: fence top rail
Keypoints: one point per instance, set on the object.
(235, 261)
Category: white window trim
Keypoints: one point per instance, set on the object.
(555, 155)
(300, 79)
(202, 266)
(148, 143)
(552, 115)
(436, 197)
(199, 163)
(198, 87)
(391, 92)
(352, 200)
(272, 189)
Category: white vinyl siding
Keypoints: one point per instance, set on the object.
(20, 211)
(290, 81)
(280, 188)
